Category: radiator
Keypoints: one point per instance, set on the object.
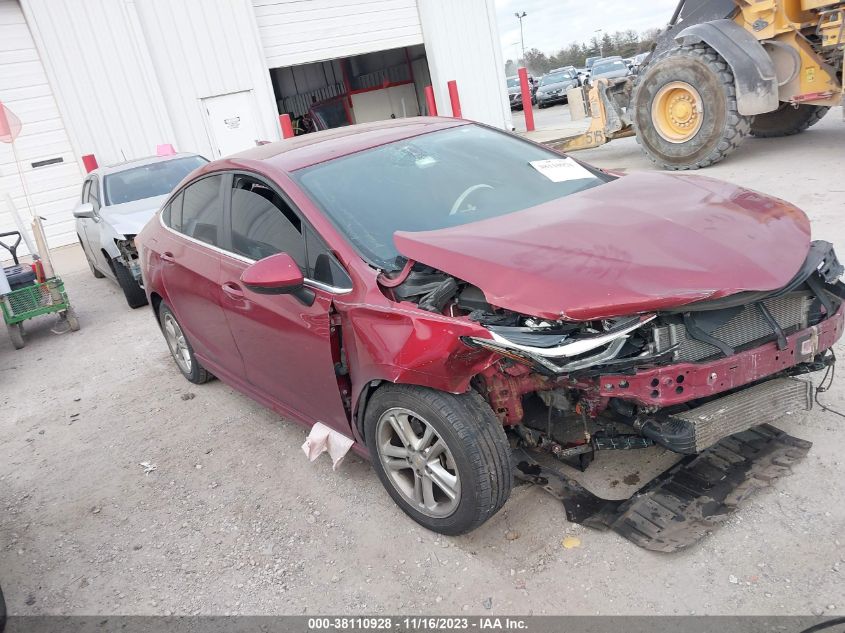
(790, 311)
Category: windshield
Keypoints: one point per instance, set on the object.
(607, 67)
(513, 82)
(148, 181)
(434, 181)
(554, 78)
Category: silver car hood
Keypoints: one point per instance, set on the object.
(130, 217)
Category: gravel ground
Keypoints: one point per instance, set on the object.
(234, 520)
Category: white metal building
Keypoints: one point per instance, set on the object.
(115, 78)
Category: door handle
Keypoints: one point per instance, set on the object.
(167, 257)
(232, 290)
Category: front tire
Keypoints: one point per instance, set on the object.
(786, 120)
(685, 110)
(443, 458)
(180, 347)
(132, 290)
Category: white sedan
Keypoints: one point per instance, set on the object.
(116, 203)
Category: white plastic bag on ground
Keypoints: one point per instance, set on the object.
(322, 439)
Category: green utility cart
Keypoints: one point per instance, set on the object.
(30, 298)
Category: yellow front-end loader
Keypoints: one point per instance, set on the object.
(724, 69)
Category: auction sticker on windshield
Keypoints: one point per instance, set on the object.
(561, 169)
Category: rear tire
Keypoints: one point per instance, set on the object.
(787, 120)
(180, 347)
(132, 290)
(476, 463)
(705, 126)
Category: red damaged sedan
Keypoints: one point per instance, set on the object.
(470, 307)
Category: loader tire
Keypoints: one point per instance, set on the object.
(685, 111)
(787, 120)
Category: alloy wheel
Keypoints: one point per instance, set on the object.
(177, 343)
(418, 462)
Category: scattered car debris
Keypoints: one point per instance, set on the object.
(148, 467)
(571, 542)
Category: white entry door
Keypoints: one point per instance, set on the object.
(231, 122)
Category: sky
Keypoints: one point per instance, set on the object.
(554, 24)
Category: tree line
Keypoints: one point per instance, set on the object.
(623, 43)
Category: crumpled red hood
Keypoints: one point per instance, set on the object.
(643, 242)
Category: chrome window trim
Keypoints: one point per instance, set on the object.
(311, 283)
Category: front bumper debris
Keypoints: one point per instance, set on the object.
(668, 385)
(693, 430)
(680, 506)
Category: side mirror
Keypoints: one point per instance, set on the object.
(84, 210)
(277, 275)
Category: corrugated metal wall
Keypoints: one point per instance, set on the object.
(205, 48)
(462, 43)
(54, 189)
(98, 64)
(131, 74)
(302, 31)
(127, 75)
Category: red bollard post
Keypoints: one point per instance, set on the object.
(287, 128)
(90, 162)
(527, 109)
(430, 102)
(455, 99)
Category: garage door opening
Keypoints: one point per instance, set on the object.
(371, 87)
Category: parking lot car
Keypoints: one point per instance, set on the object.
(514, 93)
(552, 88)
(609, 69)
(116, 202)
(440, 291)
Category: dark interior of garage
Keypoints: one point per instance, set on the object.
(342, 91)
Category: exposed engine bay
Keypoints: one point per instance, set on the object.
(129, 257)
(704, 380)
(571, 388)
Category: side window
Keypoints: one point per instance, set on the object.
(202, 211)
(172, 214)
(263, 224)
(94, 194)
(322, 265)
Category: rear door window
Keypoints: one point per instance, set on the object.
(202, 211)
(172, 213)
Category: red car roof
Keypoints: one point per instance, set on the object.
(309, 149)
